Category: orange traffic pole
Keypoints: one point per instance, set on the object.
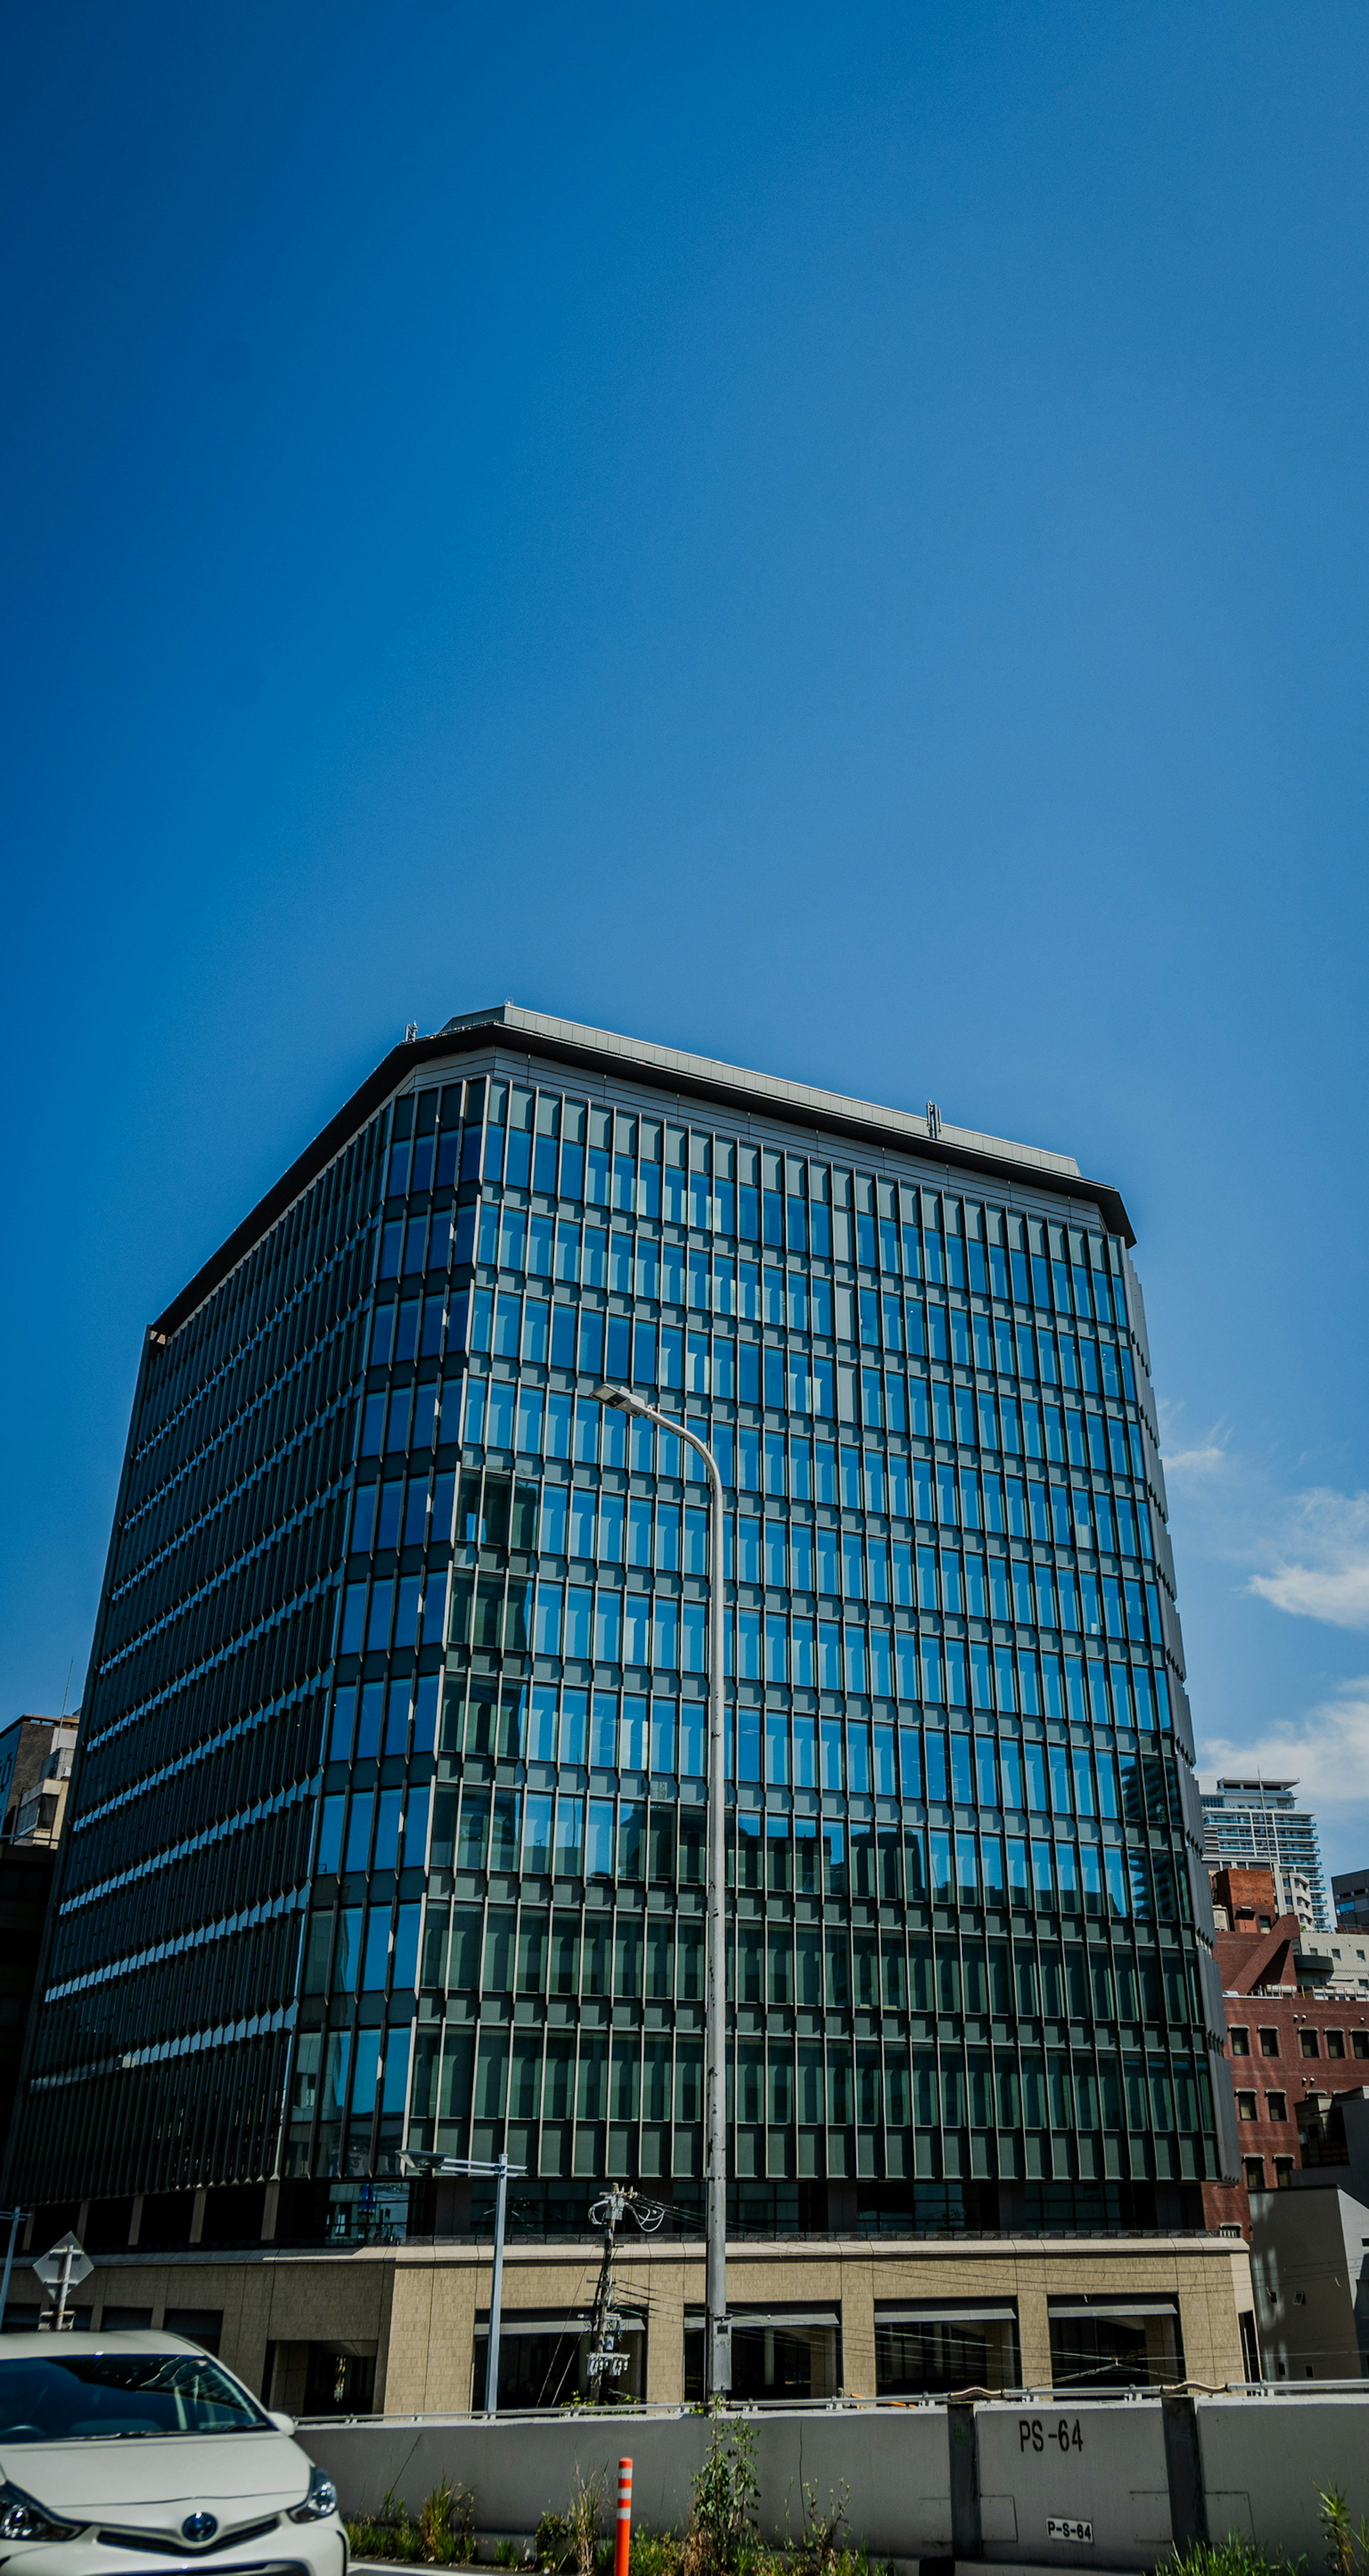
(623, 2547)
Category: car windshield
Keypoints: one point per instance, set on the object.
(93, 2396)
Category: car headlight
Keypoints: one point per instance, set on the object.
(320, 2500)
(23, 2518)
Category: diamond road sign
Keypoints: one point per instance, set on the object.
(50, 2266)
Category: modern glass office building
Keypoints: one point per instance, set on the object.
(387, 1829)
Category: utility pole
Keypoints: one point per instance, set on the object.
(620, 2201)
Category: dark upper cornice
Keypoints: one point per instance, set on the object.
(959, 1150)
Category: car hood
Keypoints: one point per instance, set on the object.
(150, 2484)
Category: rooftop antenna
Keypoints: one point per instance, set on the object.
(67, 1692)
(410, 1031)
(933, 1120)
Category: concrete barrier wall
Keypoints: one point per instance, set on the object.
(1103, 2464)
(1265, 2457)
(980, 2483)
(895, 2463)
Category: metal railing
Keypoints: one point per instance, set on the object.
(664, 2410)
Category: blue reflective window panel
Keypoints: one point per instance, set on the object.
(343, 1727)
(389, 1808)
(663, 1735)
(376, 1962)
(599, 1858)
(574, 1726)
(633, 1737)
(329, 1850)
(359, 1824)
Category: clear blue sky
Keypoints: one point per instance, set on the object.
(833, 536)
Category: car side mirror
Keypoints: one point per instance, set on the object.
(283, 2423)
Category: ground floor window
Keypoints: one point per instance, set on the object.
(1115, 2343)
(779, 2355)
(320, 2378)
(544, 2360)
(933, 2348)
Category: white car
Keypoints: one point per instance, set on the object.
(138, 2455)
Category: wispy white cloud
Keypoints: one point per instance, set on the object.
(1326, 1750)
(1305, 1553)
(1205, 1461)
(1196, 1461)
(1318, 1560)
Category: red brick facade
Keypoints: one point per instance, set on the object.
(1290, 2052)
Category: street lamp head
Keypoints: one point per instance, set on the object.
(622, 1398)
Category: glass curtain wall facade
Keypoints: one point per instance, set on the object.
(390, 1827)
(171, 1971)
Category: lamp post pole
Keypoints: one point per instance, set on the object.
(717, 2330)
(501, 2170)
(501, 2204)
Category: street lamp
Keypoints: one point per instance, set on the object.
(717, 2331)
(501, 2169)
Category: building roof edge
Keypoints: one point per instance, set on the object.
(699, 1077)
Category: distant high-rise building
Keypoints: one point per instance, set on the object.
(1253, 1823)
(388, 1827)
(35, 1768)
(1350, 1897)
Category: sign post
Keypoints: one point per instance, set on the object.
(61, 2270)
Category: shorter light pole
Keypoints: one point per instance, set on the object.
(502, 2171)
(717, 2327)
(16, 2219)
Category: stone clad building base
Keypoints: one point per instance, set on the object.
(394, 2329)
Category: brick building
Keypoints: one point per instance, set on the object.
(1294, 2042)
